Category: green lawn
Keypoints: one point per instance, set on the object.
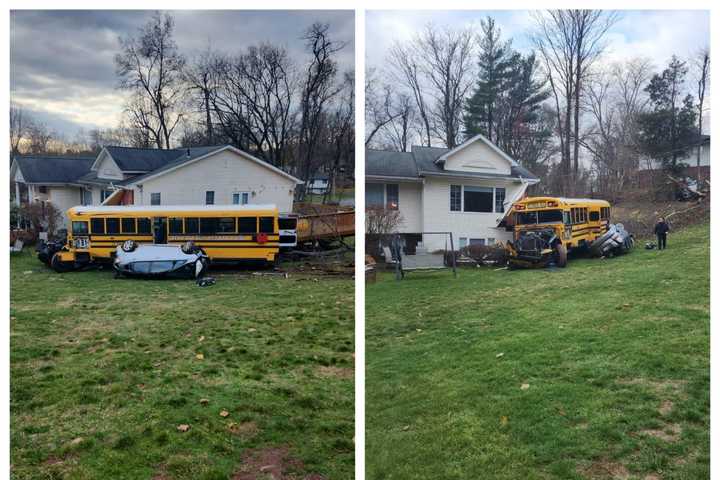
(599, 370)
(104, 371)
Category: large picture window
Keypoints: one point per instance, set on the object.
(392, 191)
(478, 199)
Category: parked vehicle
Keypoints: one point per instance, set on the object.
(134, 260)
(545, 229)
(223, 232)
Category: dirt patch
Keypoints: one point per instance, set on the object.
(339, 372)
(52, 460)
(652, 476)
(666, 407)
(604, 468)
(272, 463)
(669, 434)
(661, 387)
(245, 429)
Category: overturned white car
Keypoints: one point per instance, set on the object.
(152, 260)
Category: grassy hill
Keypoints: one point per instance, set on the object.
(599, 370)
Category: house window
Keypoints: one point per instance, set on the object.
(477, 241)
(86, 197)
(392, 196)
(43, 189)
(105, 194)
(210, 197)
(154, 199)
(491, 241)
(499, 200)
(242, 198)
(374, 195)
(478, 199)
(456, 198)
(463, 240)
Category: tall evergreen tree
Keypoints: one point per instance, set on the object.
(668, 130)
(493, 65)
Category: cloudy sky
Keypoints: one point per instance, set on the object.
(62, 62)
(653, 34)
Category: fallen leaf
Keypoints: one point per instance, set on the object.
(204, 401)
(419, 329)
(201, 339)
(524, 386)
(406, 428)
(183, 428)
(200, 356)
(77, 440)
(499, 355)
(27, 272)
(224, 413)
(252, 330)
(503, 420)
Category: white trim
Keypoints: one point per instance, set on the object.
(472, 140)
(170, 208)
(222, 149)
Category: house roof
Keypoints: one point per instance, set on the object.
(52, 169)
(423, 161)
(130, 159)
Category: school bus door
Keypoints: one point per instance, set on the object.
(160, 230)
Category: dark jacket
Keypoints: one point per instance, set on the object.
(661, 228)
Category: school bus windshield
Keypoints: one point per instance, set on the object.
(542, 216)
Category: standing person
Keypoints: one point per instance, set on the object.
(661, 230)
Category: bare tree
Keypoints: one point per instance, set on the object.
(702, 61)
(406, 70)
(378, 106)
(400, 128)
(39, 138)
(614, 97)
(342, 135)
(318, 89)
(253, 100)
(19, 122)
(200, 76)
(150, 66)
(569, 42)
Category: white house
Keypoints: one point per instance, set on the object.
(136, 176)
(466, 191)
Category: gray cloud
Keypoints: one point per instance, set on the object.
(62, 62)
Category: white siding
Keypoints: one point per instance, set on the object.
(224, 173)
(107, 168)
(410, 206)
(63, 198)
(690, 159)
(437, 216)
(478, 157)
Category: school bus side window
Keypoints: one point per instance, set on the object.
(143, 225)
(208, 226)
(128, 225)
(97, 225)
(192, 226)
(112, 225)
(247, 224)
(267, 224)
(176, 226)
(226, 225)
(594, 216)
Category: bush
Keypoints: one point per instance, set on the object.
(41, 216)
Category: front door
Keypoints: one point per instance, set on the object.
(160, 230)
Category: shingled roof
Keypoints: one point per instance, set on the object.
(130, 159)
(52, 169)
(422, 161)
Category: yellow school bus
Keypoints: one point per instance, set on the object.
(223, 232)
(546, 228)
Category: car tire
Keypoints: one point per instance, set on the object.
(129, 246)
(560, 255)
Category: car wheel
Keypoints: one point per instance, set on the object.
(129, 246)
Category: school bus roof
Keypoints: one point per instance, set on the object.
(160, 209)
(566, 201)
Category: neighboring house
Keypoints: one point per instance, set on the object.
(650, 168)
(136, 176)
(466, 191)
